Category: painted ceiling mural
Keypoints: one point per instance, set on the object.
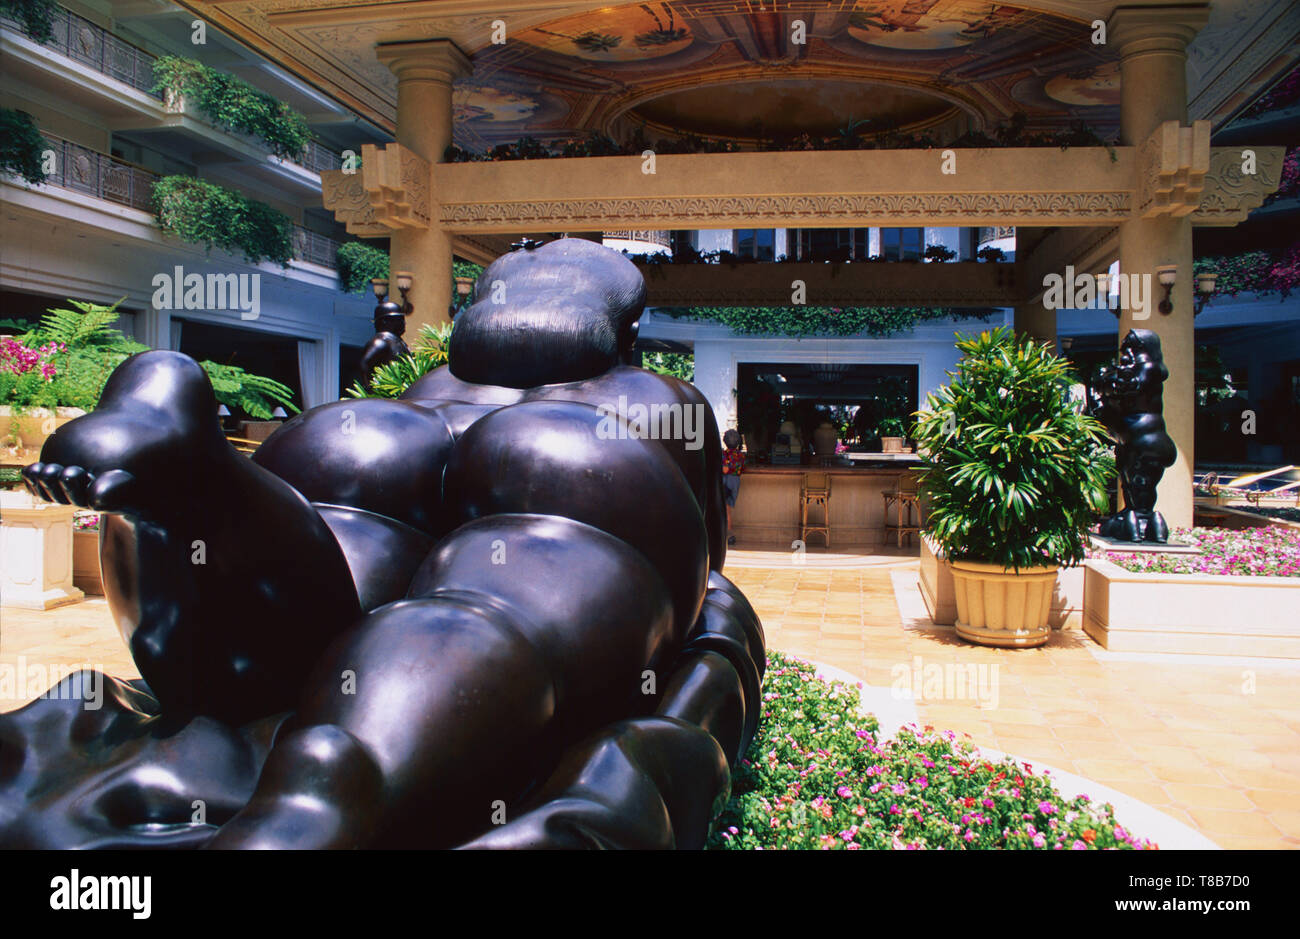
(729, 67)
(734, 69)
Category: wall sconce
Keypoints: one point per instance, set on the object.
(279, 414)
(1167, 274)
(1103, 289)
(380, 286)
(460, 296)
(1205, 282)
(405, 279)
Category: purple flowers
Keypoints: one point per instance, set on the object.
(20, 359)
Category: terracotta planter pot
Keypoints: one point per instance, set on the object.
(999, 607)
(86, 574)
(34, 425)
(892, 444)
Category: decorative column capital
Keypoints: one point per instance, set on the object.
(435, 60)
(1163, 29)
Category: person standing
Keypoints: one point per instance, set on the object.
(733, 464)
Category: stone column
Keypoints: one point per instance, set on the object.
(1152, 44)
(425, 72)
(1036, 321)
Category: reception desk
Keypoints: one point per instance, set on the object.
(767, 509)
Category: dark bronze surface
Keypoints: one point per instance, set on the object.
(1130, 402)
(473, 616)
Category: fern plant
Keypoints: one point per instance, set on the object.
(90, 348)
(1014, 470)
(427, 353)
(256, 395)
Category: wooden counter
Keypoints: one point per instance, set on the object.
(767, 508)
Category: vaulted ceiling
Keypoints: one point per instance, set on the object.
(737, 68)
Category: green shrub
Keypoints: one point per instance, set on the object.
(84, 348)
(234, 104)
(213, 216)
(21, 145)
(37, 16)
(1013, 468)
(819, 321)
(429, 351)
(359, 264)
(675, 364)
(818, 776)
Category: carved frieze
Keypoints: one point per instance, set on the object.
(560, 214)
(391, 191)
(1231, 190)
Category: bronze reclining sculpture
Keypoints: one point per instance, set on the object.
(470, 617)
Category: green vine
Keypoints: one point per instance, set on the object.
(234, 104)
(797, 321)
(37, 16)
(674, 364)
(21, 145)
(210, 215)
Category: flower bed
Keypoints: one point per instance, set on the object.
(1251, 552)
(817, 776)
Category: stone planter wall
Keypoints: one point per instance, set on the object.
(1198, 614)
(941, 599)
(35, 553)
(32, 427)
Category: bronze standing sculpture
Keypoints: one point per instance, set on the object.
(1129, 401)
(473, 616)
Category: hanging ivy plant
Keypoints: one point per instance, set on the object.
(37, 16)
(21, 145)
(234, 104)
(213, 216)
(797, 321)
(359, 264)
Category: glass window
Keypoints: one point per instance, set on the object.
(759, 243)
(902, 244)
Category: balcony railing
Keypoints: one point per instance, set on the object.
(319, 158)
(97, 174)
(315, 249)
(82, 41)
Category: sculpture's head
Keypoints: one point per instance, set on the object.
(561, 312)
(1140, 357)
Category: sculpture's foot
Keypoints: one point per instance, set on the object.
(1122, 526)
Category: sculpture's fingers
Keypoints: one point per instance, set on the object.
(76, 484)
(115, 491)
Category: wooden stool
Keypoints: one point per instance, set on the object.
(815, 490)
(904, 494)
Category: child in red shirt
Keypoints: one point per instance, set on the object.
(733, 464)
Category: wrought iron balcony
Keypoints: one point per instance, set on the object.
(315, 248)
(83, 41)
(97, 174)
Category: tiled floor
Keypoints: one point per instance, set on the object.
(1216, 746)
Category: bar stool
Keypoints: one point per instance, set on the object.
(815, 490)
(904, 494)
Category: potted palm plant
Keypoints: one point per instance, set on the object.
(1014, 472)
